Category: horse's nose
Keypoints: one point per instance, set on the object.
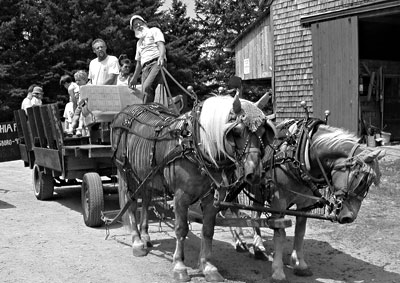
(346, 219)
(253, 173)
(346, 216)
(349, 211)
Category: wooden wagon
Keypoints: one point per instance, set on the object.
(59, 160)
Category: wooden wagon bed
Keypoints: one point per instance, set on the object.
(57, 159)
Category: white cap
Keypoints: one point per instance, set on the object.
(135, 17)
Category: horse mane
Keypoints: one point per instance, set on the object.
(213, 118)
(333, 137)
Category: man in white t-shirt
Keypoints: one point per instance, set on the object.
(150, 57)
(104, 69)
(37, 96)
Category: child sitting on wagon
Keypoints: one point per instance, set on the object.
(81, 78)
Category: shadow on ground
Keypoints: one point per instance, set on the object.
(327, 263)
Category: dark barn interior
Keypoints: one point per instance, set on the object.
(379, 51)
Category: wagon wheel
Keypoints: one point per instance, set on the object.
(92, 199)
(43, 184)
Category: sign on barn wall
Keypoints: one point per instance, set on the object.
(9, 149)
(246, 66)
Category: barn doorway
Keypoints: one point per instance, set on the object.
(379, 72)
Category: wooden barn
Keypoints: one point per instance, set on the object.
(337, 55)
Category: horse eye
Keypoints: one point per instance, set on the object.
(238, 130)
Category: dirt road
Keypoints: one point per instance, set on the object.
(47, 241)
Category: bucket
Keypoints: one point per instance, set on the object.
(385, 138)
(371, 141)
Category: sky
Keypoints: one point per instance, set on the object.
(189, 6)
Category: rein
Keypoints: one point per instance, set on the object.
(200, 159)
(175, 153)
(187, 147)
(352, 161)
(295, 154)
(299, 162)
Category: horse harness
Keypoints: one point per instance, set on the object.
(186, 133)
(293, 150)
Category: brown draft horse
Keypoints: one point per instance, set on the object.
(310, 156)
(190, 157)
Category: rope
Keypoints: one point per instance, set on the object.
(191, 94)
(168, 91)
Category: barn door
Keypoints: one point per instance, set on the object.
(335, 71)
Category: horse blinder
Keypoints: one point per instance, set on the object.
(357, 179)
(233, 132)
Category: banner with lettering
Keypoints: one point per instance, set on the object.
(9, 149)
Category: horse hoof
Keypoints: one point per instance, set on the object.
(241, 248)
(146, 241)
(214, 277)
(181, 276)
(303, 272)
(139, 250)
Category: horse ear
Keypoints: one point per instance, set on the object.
(271, 132)
(376, 154)
(237, 107)
(263, 101)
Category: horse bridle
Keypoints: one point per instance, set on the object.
(355, 179)
(239, 153)
(355, 176)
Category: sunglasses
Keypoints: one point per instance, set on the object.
(136, 25)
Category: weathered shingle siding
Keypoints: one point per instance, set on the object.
(256, 47)
(293, 51)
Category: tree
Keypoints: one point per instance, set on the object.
(220, 22)
(42, 40)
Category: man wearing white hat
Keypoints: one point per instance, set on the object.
(37, 95)
(150, 56)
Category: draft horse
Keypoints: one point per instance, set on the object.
(309, 156)
(190, 157)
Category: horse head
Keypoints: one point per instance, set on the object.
(349, 169)
(242, 138)
(351, 179)
(246, 135)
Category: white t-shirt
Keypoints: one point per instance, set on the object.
(123, 81)
(26, 103)
(146, 47)
(69, 112)
(101, 71)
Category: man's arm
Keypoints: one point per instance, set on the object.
(136, 75)
(161, 47)
(112, 80)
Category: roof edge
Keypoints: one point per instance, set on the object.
(350, 11)
(250, 27)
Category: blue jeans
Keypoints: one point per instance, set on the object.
(151, 77)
